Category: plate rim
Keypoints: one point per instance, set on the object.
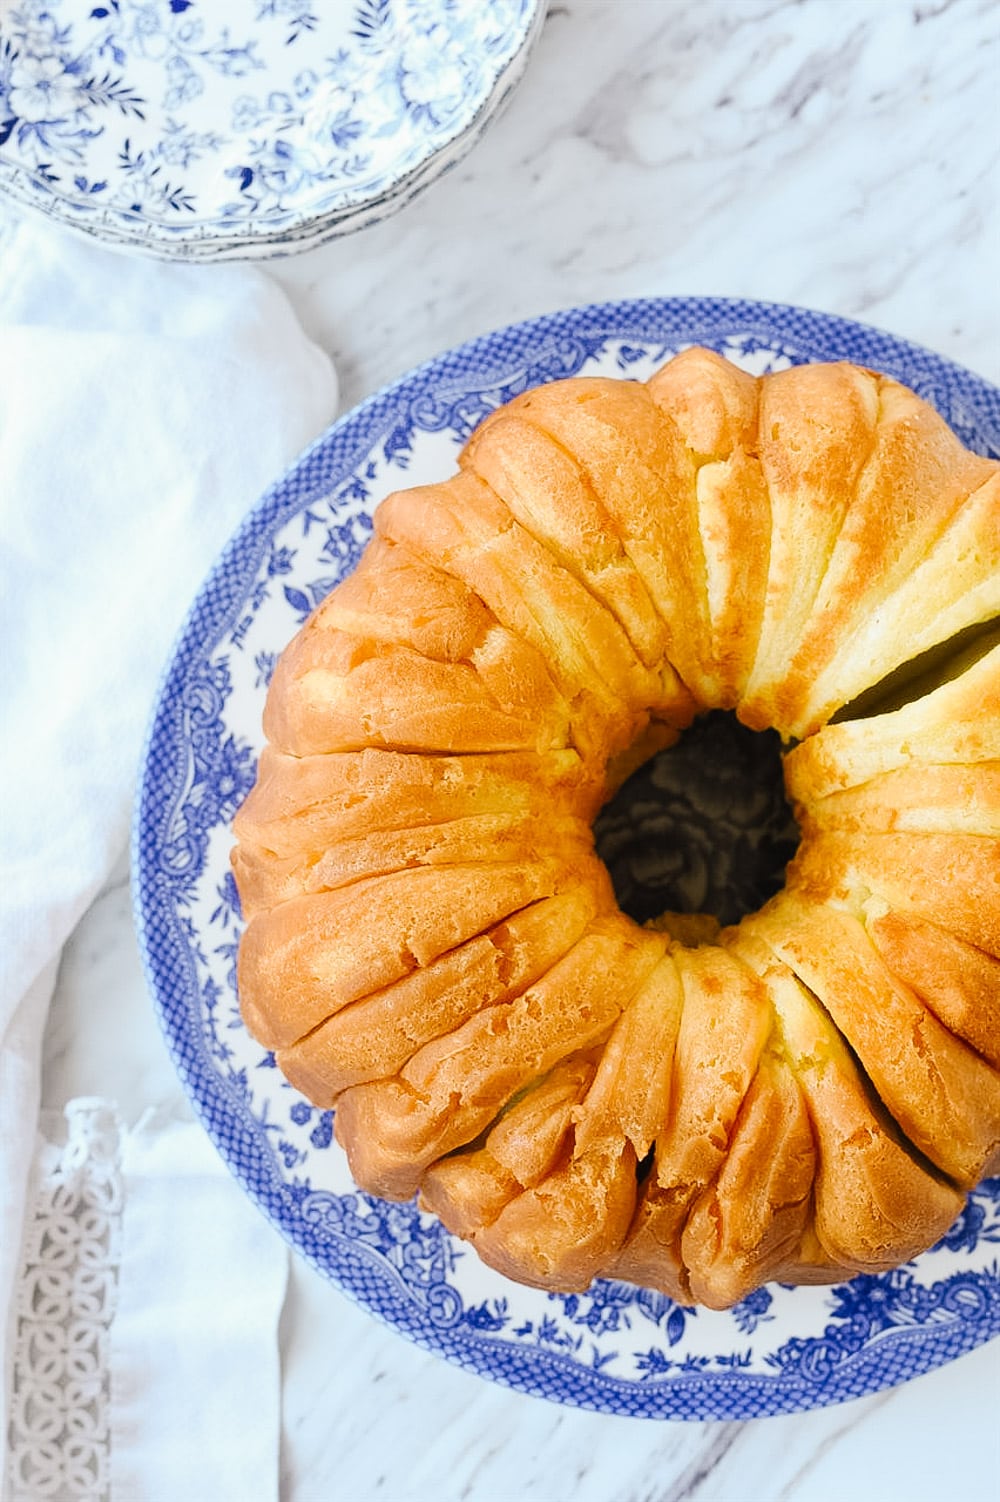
(881, 1364)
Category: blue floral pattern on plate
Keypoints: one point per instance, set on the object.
(616, 1348)
(164, 125)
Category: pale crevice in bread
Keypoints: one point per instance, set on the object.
(817, 427)
(876, 1202)
(923, 674)
(433, 946)
(953, 880)
(958, 723)
(375, 1036)
(635, 461)
(955, 798)
(452, 1087)
(918, 487)
(955, 980)
(945, 1098)
(465, 525)
(950, 585)
(540, 482)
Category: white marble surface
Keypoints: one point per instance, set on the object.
(840, 154)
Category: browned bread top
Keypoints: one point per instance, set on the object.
(434, 948)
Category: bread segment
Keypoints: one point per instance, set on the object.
(611, 692)
(952, 880)
(311, 803)
(875, 1204)
(452, 1088)
(912, 495)
(959, 983)
(317, 823)
(725, 1023)
(714, 407)
(334, 692)
(545, 490)
(955, 798)
(374, 1037)
(634, 459)
(944, 1097)
(817, 428)
(307, 958)
(468, 1190)
(752, 1217)
(563, 1232)
(559, 1225)
(955, 724)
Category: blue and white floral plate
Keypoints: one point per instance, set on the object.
(616, 1348)
(196, 132)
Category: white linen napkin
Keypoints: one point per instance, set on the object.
(143, 408)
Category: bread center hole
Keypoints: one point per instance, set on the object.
(703, 827)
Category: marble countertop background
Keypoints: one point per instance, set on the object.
(839, 154)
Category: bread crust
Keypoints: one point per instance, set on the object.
(432, 946)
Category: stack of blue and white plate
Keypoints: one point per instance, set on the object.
(260, 128)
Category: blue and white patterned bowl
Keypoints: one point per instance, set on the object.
(197, 132)
(616, 1348)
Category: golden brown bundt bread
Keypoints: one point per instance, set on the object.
(433, 946)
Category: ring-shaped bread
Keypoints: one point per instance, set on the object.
(432, 945)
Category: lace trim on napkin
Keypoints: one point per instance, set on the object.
(65, 1303)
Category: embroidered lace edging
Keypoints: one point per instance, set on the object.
(58, 1439)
